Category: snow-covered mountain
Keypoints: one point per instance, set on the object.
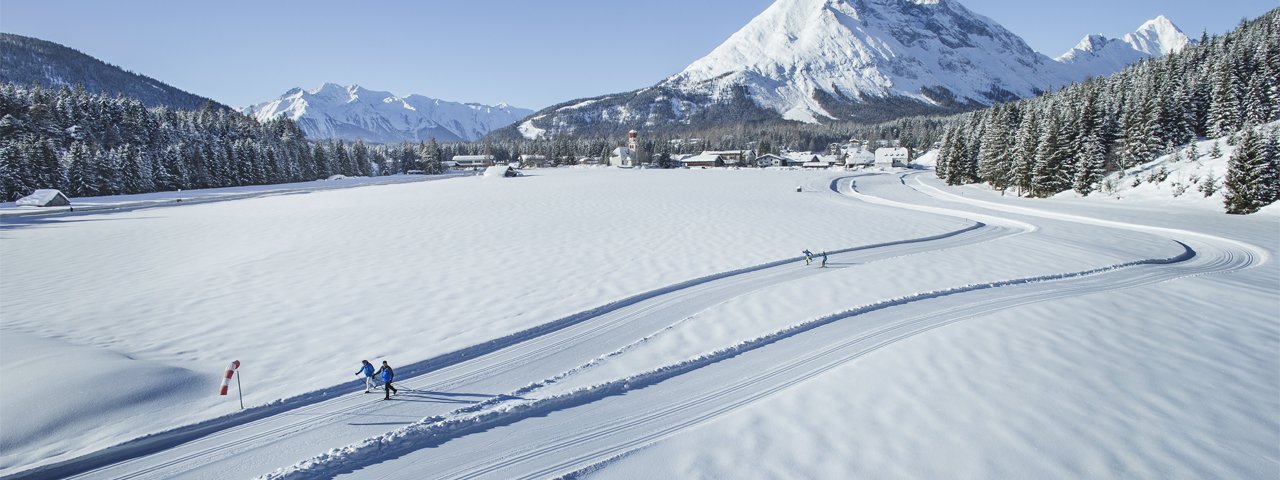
(353, 112)
(821, 60)
(799, 52)
(32, 61)
(1099, 55)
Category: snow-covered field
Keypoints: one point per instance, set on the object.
(619, 323)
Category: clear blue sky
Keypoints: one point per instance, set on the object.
(527, 53)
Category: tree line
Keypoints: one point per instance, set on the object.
(89, 145)
(1225, 86)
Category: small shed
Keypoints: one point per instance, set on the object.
(500, 171)
(44, 198)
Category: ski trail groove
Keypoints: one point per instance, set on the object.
(421, 435)
(1223, 257)
(243, 432)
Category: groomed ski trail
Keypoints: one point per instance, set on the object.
(581, 430)
(473, 378)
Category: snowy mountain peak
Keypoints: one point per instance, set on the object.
(1099, 55)
(354, 112)
(1158, 36)
(1092, 43)
(864, 60)
(799, 52)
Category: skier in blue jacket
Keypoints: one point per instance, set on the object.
(387, 376)
(367, 370)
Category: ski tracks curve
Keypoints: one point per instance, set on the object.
(646, 407)
(527, 355)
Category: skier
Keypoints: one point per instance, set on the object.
(366, 369)
(808, 256)
(824, 260)
(387, 376)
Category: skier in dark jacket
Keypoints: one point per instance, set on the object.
(366, 369)
(387, 376)
(824, 259)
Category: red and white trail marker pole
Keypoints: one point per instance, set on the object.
(226, 381)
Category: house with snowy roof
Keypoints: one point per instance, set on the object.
(772, 160)
(704, 160)
(532, 160)
(44, 198)
(822, 161)
(893, 157)
(858, 157)
(473, 161)
(623, 157)
(733, 157)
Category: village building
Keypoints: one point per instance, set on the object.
(473, 161)
(628, 156)
(734, 157)
(622, 157)
(771, 160)
(893, 157)
(858, 157)
(704, 160)
(530, 160)
(822, 161)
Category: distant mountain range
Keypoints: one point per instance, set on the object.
(816, 61)
(354, 112)
(27, 61)
(812, 61)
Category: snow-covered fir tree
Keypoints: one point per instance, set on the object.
(1072, 138)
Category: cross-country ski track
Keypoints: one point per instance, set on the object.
(479, 412)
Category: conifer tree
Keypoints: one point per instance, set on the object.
(1090, 167)
(1048, 176)
(82, 172)
(1024, 160)
(1251, 175)
(13, 183)
(1224, 104)
(995, 156)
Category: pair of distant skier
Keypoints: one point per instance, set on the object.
(386, 374)
(808, 258)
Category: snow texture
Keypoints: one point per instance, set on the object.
(622, 323)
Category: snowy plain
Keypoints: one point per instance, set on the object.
(118, 324)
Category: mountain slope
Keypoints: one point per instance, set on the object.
(821, 60)
(1097, 55)
(27, 61)
(354, 112)
(936, 52)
